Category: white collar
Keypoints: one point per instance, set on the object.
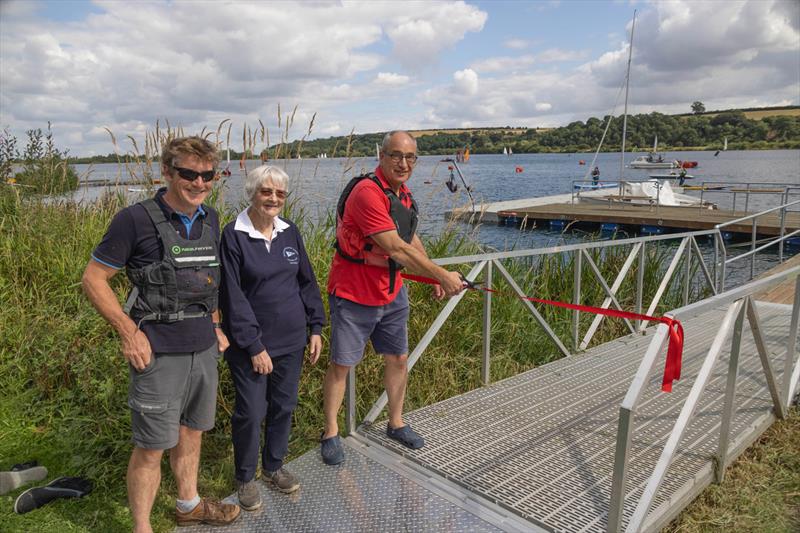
(245, 225)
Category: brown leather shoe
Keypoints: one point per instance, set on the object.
(210, 512)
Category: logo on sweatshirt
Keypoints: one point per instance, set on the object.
(291, 255)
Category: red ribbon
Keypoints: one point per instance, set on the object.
(672, 367)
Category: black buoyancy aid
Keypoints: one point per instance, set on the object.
(405, 220)
(187, 276)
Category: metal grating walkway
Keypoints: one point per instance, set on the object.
(533, 452)
(541, 444)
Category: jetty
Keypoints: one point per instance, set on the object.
(588, 442)
(594, 208)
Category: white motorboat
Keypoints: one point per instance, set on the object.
(653, 160)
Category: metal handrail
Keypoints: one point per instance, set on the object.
(746, 189)
(491, 262)
(756, 215)
(740, 305)
(779, 240)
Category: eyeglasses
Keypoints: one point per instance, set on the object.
(191, 175)
(396, 157)
(268, 192)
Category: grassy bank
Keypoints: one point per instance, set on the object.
(64, 382)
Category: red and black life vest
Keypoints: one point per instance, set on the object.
(405, 220)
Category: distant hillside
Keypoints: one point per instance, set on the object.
(745, 129)
(764, 128)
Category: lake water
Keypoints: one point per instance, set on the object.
(315, 184)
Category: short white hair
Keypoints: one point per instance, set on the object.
(256, 178)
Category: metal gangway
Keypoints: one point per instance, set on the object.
(587, 442)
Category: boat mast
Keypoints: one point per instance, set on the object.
(625, 116)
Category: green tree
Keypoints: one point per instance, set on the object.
(698, 107)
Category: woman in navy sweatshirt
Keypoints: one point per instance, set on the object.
(271, 303)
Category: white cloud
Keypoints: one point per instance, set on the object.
(435, 26)
(391, 79)
(195, 63)
(746, 55)
(503, 64)
(553, 55)
(466, 82)
(516, 44)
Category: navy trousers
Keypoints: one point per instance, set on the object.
(258, 397)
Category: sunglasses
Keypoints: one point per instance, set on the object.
(268, 192)
(191, 175)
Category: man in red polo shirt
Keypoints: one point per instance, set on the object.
(367, 297)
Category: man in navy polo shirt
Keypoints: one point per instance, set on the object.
(169, 331)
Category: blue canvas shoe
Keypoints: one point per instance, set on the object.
(405, 436)
(332, 450)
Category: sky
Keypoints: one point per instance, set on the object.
(90, 67)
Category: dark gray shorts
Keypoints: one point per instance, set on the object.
(175, 389)
(352, 324)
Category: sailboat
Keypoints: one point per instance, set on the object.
(725, 145)
(640, 193)
(377, 152)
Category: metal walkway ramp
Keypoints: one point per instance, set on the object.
(541, 444)
(585, 443)
(535, 451)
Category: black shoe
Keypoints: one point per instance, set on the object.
(63, 487)
(332, 450)
(405, 436)
(21, 474)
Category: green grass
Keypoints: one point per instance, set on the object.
(64, 382)
(761, 490)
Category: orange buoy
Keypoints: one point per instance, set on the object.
(581, 162)
(518, 169)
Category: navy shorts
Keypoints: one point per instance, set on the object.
(173, 390)
(352, 324)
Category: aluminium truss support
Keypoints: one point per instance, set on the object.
(609, 293)
(687, 272)
(486, 373)
(790, 377)
(539, 318)
(664, 282)
(730, 394)
(761, 347)
(613, 292)
(576, 299)
(703, 267)
(640, 284)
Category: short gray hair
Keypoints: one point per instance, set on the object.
(256, 178)
(388, 138)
